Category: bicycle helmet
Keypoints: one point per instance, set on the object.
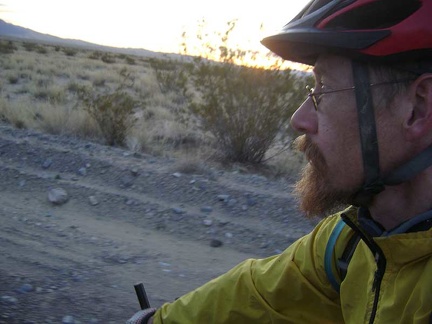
(372, 30)
(381, 31)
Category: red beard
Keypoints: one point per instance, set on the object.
(314, 189)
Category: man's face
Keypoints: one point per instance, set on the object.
(330, 142)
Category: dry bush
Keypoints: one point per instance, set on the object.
(58, 119)
(48, 117)
(113, 113)
(157, 131)
(246, 109)
(113, 110)
(20, 113)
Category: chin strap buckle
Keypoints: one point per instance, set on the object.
(364, 197)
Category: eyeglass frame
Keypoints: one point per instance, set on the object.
(312, 94)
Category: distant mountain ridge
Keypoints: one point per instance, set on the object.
(17, 32)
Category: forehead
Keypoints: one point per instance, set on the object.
(333, 66)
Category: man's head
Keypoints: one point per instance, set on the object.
(368, 59)
(331, 140)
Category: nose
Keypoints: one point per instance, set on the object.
(304, 120)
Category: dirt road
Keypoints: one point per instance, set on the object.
(128, 218)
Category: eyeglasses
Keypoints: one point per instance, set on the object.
(316, 96)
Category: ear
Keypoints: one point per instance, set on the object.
(418, 122)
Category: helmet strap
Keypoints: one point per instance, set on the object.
(410, 169)
(373, 183)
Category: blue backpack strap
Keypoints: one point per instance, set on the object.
(329, 254)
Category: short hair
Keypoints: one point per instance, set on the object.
(405, 72)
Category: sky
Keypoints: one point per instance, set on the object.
(155, 25)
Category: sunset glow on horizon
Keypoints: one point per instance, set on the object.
(155, 26)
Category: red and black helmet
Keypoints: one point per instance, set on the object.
(372, 30)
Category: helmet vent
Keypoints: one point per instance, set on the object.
(375, 15)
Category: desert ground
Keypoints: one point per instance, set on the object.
(120, 218)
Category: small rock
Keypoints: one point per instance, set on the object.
(223, 222)
(264, 245)
(47, 163)
(127, 181)
(251, 201)
(232, 202)
(135, 172)
(178, 211)
(130, 202)
(68, 320)
(8, 300)
(93, 201)
(22, 183)
(164, 264)
(82, 172)
(177, 175)
(58, 196)
(206, 209)
(207, 222)
(26, 288)
(223, 197)
(228, 235)
(216, 243)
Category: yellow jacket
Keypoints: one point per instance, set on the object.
(293, 287)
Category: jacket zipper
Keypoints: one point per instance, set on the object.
(379, 260)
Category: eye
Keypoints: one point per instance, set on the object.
(322, 87)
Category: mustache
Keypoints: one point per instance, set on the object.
(305, 145)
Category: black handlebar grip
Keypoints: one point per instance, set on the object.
(142, 296)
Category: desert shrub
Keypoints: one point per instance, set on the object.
(171, 75)
(108, 58)
(95, 55)
(130, 60)
(69, 51)
(7, 47)
(41, 50)
(30, 47)
(13, 78)
(18, 114)
(61, 119)
(245, 108)
(112, 111)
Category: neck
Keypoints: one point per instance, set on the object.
(397, 204)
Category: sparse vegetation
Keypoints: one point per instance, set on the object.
(112, 111)
(170, 107)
